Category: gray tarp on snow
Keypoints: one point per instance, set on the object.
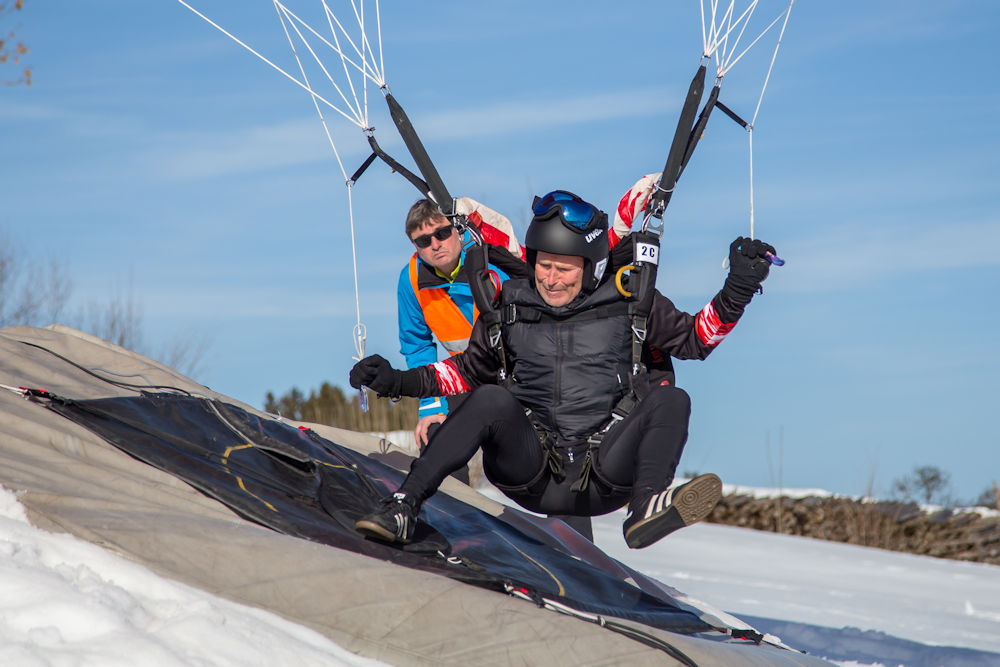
(70, 480)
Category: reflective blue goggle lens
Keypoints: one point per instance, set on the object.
(575, 211)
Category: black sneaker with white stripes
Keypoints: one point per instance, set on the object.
(394, 521)
(652, 516)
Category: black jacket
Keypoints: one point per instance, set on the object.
(572, 373)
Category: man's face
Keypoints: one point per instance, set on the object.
(558, 278)
(442, 255)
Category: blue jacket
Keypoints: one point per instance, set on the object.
(416, 340)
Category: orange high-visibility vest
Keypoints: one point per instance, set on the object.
(444, 318)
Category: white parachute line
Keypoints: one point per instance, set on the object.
(704, 34)
(332, 15)
(365, 45)
(730, 26)
(279, 69)
(350, 79)
(360, 118)
(732, 62)
(360, 331)
(374, 75)
(723, 28)
(750, 139)
(719, 40)
(369, 71)
(716, 36)
(767, 78)
(335, 48)
(708, 36)
(378, 32)
(774, 56)
(377, 75)
(347, 72)
(319, 111)
(378, 28)
(742, 23)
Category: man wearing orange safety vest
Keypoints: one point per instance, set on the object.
(434, 299)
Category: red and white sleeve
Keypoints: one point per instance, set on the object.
(709, 326)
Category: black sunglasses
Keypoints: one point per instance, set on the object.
(441, 234)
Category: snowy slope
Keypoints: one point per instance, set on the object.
(67, 602)
(808, 591)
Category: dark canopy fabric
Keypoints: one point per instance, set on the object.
(300, 484)
(266, 496)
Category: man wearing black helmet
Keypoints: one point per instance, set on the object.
(569, 420)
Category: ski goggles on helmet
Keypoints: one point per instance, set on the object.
(575, 213)
(441, 234)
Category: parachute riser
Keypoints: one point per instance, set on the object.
(435, 185)
(657, 203)
(431, 186)
(641, 287)
(699, 128)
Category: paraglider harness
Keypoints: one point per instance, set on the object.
(485, 283)
(637, 255)
(638, 293)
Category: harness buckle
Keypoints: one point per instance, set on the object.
(495, 333)
(639, 330)
(647, 222)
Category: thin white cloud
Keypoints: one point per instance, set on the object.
(539, 114)
(857, 253)
(864, 251)
(237, 302)
(215, 154)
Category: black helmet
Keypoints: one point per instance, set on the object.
(564, 224)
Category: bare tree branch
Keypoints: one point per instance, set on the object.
(11, 52)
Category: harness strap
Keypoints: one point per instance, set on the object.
(639, 321)
(494, 332)
(621, 410)
(554, 459)
(637, 305)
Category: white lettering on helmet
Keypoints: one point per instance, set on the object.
(593, 235)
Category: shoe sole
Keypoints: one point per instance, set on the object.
(692, 503)
(698, 498)
(372, 529)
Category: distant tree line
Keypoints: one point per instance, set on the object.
(332, 407)
(929, 484)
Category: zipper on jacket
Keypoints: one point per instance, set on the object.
(557, 380)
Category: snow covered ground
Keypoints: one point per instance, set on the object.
(66, 602)
(844, 602)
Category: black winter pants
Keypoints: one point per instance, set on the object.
(639, 453)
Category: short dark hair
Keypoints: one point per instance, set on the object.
(422, 212)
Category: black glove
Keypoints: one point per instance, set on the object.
(748, 267)
(375, 373)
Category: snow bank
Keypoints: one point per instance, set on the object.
(66, 602)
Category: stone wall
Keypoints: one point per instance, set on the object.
(960, 535)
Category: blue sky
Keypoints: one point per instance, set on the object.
(153, 151)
